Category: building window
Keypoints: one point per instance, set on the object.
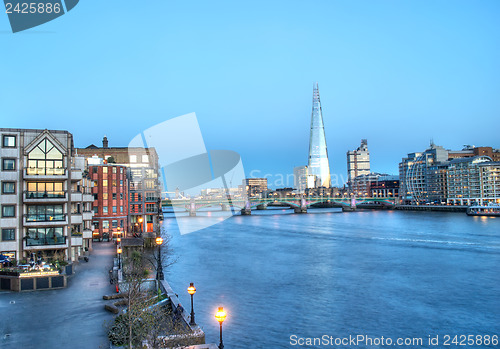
(9, 141)
(114, 196)
(121, 196)
(45, 190)
(114, 169)
(104, 169)
(94, 169)
(133, 158)
(104, 182)
(145, 158)
(121, 170)
(45, 236)
(114, 182)
(45, 213)
(8, 211)
(96, 209)
(8, 187)
(121, 183)
(8, 234)
(105, 196)
(121, 209)
(105, 209)
(105, 224)
(8, 164)
(45, 159)
(114, 224)
(114, 209)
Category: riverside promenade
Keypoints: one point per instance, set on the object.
(73, 317)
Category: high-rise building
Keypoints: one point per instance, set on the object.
(318, 154)
(300, 178)
(46, 196)
(358, 162)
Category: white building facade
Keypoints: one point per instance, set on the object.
(46, 201)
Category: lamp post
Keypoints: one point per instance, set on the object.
(140, 223)
(192, 290)
(220, 316)
(119, 251)
(159, 268)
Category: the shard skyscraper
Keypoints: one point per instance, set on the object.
(318, 154)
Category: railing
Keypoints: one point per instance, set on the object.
(44, 241)
(45, 194)
(45, 171)
(45, 217)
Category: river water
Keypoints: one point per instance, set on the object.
(372, 273)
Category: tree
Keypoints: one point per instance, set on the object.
(111, 160)
(148, 315)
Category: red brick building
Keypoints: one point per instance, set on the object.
(111, 209)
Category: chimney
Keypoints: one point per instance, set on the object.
(105, 142)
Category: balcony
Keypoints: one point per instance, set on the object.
(76, 218)
(88, 198)
(46, 241)
(76, 240)
(76, 196)
(46, 219)
(76, 175)
(87, 215)
(45, 196)
(87, 234)
(45, 173)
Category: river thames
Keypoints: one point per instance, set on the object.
(374, 273)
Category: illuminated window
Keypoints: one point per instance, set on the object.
(45, 159)
(104, 182)
(104, 169)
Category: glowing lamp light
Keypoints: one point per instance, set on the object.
(119, 250)
(220, 315)
(191, 289)
(159, 240)
(118, 239)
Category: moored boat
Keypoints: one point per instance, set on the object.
(490, 210)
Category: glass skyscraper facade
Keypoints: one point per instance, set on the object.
(318, 153)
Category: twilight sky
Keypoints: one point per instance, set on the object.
(395, 72)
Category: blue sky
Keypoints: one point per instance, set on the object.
(395, 72)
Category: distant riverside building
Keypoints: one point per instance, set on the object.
(360, 185)
(46, 196)
(144, 185)
(473, 181)
(358, 162)
(255, 186)
(424, 176)
(318, 154)
(385, 187)
(110, 193)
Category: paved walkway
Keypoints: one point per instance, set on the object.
(73, 317)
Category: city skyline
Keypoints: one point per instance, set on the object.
(430, 78)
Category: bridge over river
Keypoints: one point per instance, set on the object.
(299, 204)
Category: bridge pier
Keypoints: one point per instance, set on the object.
(302, 209)
(262, 207)
(348, 208)
(225, 207)
(246, 211)
(192, 213)
(192, 208)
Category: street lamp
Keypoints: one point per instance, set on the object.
(192, 290)
(159, 268)
(119, 251)
(220, 316)
(140, 223)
